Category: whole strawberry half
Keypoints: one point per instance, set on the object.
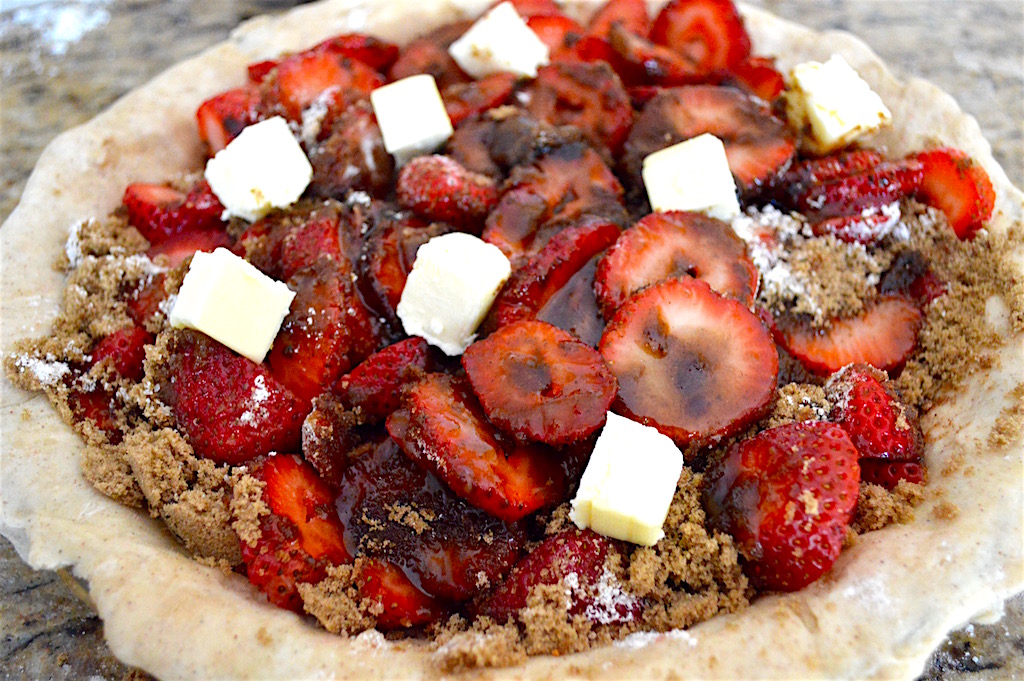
(228, 407)
(867, 406)
(786, 496)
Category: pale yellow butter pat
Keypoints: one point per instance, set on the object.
(261, 169)
(692, 175)
(629, 483)
(453, 282)
(411, 116)
(232, 302)
(834, 103)
(500, 41)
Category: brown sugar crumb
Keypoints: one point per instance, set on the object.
(410, 516)
(798, 402)
(1009, 425)
(488, 644)
(107, 469)
(247, 507)
(335, 602)
(878, 507)
(693, 573)
(945, 510)
(99, 238)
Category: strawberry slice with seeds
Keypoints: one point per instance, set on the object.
(160, 212)
(539, 383)
(693, 364)
(758, 76)
(888, 473)
(349, 154)
(328, 330)
(229, 408)
(390, 251)
(401, 603)
(394, 510)
(557, 31)
(808, 173)
(570, 185)
(301, 79)
(589, 96)
(883, 335)
(314, 239)
(301, 536)
(223, 116)
(574, 307)
(374, 387)
(758, 145)
(709, 33)
(878, 186)
(376, 53)
(675, 244)
(642, 62)
(175, 250)
(439, 188)
(631, 15)
(429, 55)
(957, 185)
(96, 406)
(534, 284)
(911, 275)
(464, 100)
(867, 406)
(126, 351)
(443, 428)
(577, 556)
(786, 496)
(333, 436)
(144, 302)
(530, 8)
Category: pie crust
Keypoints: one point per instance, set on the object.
(888, 602)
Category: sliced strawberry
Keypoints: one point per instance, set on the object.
(97, 406)
(160, 212)
(557, 31)
(390, 251)
(349, 154)
(591, 48)
(758, 76)
(867, 406)
(394, 510)
(534, 284)
(300, 537)
(429, 55)
(642, 62)
(539, 383)
(957, 185)
(463, 100)
(911, 275)
(631, 15)
(316, 238)
(574, 308)
(258, 71)
(303, 78)
(529, 8)
(177, 249)
(222, 117)
(577, 556)
(561, 188)
(693, 364)
(144, 302)
(866, 227)
(229, 408)
(374, 387)
(438, 188)
(808, 173)
(587, 95)
(758, 145)
(641, 94)
(326, 333)
(853, 194)
(376, 53)
(883, 335)
(888, 473)
(709, 33)
(332, 437)
(261, 242)
(126, 351)
(443, 428)
(402, 604)
(675, 244)
(786, 496)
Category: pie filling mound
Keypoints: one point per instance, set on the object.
(777, 327)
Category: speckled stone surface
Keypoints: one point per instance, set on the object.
(63, 62)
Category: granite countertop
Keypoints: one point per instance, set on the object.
(63, 61)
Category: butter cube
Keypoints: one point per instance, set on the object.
(692, 175)
(231, 301)
(499, 41)
(453, 282)
(835, 103)
(411, 116)
(629, 482)
(261, 169)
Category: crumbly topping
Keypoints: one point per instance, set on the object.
(878, 507)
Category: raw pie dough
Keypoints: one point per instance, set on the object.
(884, 607)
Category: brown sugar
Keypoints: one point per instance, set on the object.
(335, 601)
(1009, 425)
(878, 507)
